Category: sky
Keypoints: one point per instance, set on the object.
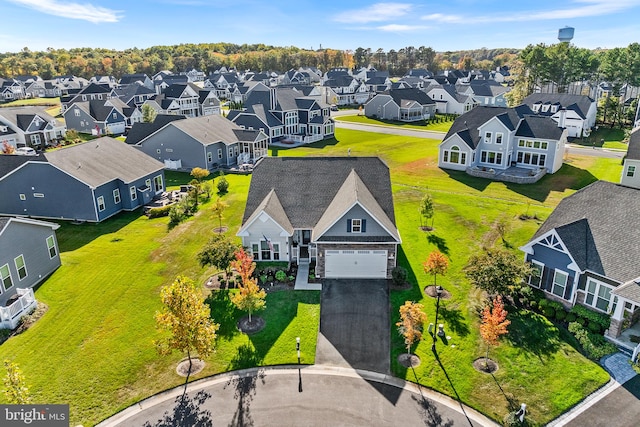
(346, 25)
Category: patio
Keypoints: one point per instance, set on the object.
(515, 174)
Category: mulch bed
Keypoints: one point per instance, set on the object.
(487, 368)
(27, 321)
(409, 360)
(256, 325)
(431, 291)
(404, 287)
(197, 366)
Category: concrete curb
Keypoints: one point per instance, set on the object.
(594, 397)
(200, 384)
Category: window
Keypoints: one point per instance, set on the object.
(560, 279)
(276, 251)
(51, 246)
(265, 250)
(133, 193)
(158, 151)
(498, 138)
(598, 295)
(157, 183)
(254, 251)
(487, 137)
(76, 112)
(20, 267)
(210, 157)
(38, 195)
(23, 196)
(356, 225)
(230, 152)
(35, 139)
(5, 277)
(219, 153)
(116, 196)
(148, 183)
(100, 203)
(115, 116)
(631, 170)
(536, 277)
(235, 150)
(491, 157)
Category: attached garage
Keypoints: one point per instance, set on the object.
(368, 264)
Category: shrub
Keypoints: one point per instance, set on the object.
(281, 276)
(159, 212)
(580, 320)
(176, 215)
(223, 184)
(399, 276)
(571, 317)
(312, 276)
(556, 305)
(263, 278)
(594, 327)
(549, 312)
(533, 304)
(561, 315)
(543, 303)
(601, 319)
(595, 346)
(291, 278)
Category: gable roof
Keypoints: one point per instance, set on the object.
(140, 131)
(579, 103)
(22, 116)
(598, 226)
(10, 162)
(212, 129)
(307, 186)
(101, 160)
(410, 94)
(271, 206)
(633, 149)
(5, 221)
(541, 127)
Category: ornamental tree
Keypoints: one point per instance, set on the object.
(411, 324)
(426, 209)
(187, 319)
(435, 264)
(219, 252)
(494, 325)
(16, 391)
(497, 272)
(250, 297)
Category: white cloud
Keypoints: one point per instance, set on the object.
(375, 13)
(582, 9)
(401, 28)
(85, 12)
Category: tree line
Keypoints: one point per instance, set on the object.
(207, 57)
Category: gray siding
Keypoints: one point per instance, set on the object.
(83, 123)
(29, 240)
(64, 197)
(171, 143)
(552, 259)
(372, 226)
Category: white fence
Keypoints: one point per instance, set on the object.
(10, 315)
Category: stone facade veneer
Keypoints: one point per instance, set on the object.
(502, 176)
(390, 248)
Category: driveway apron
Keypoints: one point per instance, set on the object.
(354, 325)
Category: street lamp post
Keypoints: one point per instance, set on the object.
(438, 295)
(298, 348)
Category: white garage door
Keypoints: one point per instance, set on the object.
(355, 264)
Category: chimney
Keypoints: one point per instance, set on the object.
(561, 118)
(273, 98)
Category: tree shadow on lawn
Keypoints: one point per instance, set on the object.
(74, 236)
(453, 319)
(224, 312)
(533, 333)
(462, 177)
(439, 242)
(568, 177)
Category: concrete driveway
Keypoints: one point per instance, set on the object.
(354, 325)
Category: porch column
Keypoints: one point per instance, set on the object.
(615, 328)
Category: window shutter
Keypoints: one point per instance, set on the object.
(364, 225)
(348, 226)
(569, 288)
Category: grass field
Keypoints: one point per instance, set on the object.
(438, 127)
(93, 348)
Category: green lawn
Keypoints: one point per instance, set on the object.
(605, 137)
(442, 126)
(93, 348)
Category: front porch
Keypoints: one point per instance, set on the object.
(628, 339)
(24, 302)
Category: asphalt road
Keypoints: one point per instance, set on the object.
(292, 397)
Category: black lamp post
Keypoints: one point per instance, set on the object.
(438, 295)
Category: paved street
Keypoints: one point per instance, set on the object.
(290, 397)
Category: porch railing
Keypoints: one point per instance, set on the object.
(10, 315)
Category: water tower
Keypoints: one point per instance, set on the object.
(565, 34)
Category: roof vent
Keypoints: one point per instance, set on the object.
(79, 165)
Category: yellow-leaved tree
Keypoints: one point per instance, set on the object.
(411, 324)
(16, 391)
(494, 325)
(187, 319)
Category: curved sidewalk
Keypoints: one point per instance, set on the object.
(336, 396)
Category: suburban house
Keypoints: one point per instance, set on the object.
(336, 211)
(485, 92)
(139, 78)
(179, 98)
(407, 105)
(30, 126)
(11, 89)
(348, 90)
(90, 182)
(87, 93)
(448, 100)
(297, 117)
(207, 142)
(208, 103)
(587, 252)
(28, 255)
(98, 117)
(579, 111)
(631, 170)
(497, 138)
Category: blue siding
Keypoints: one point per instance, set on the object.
(343, 224)
(552, 259)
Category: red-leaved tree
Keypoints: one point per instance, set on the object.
(494, 325)
(436, 263)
